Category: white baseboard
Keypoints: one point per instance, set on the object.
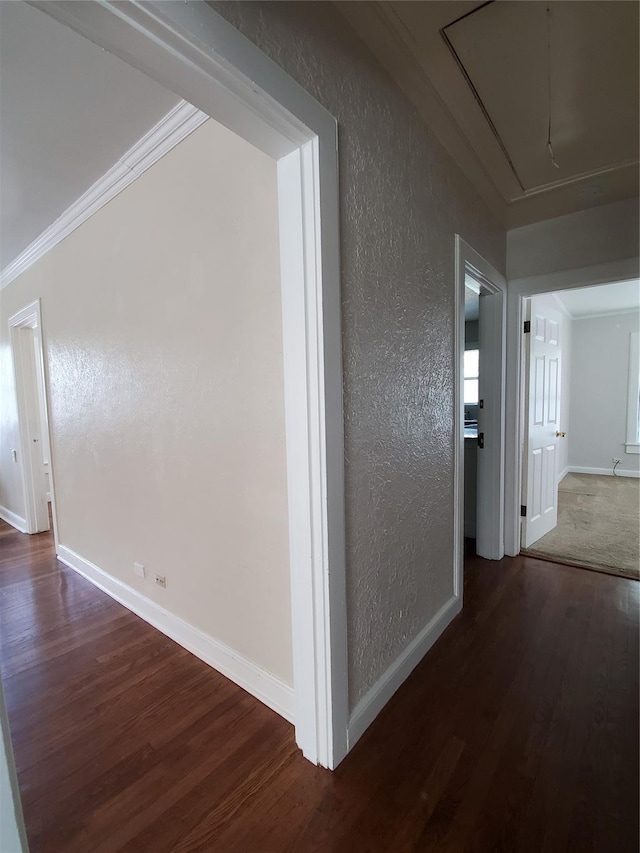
(377, 697)
(607, 472)
(265, 686)
(13, 519)
(564, 471)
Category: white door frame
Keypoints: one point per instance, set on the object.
(194, 52)
(30, 317)
(520, 290)
(467, 260)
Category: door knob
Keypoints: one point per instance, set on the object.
(561, 435)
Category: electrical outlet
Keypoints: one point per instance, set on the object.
(615, 460)
(138, 569)
(161, 580)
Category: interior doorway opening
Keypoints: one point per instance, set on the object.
(479, 416)
(471, 399)
(580, 459)
(197, 55)
(34, 452)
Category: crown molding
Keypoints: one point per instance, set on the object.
(182, 120)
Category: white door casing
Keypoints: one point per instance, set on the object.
(46, 450)
(544, 362)
(26, 346)
(194, 52)
(519, 291)
(490, 494)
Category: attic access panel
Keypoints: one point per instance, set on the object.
(502, 50)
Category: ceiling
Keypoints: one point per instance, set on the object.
(616, 298)
(68, 112)
(488, 76)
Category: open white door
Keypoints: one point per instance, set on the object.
(542, 402)
(490, 485)
(26, 344)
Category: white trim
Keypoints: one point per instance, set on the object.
(605, 472)
(606, 314)
(631, 447)
(519, 290)
(14, 520)
(37, 516)
(563, 474)
(193, 51)
(172, 129)
(257, 681)
(377, 697)
(563, 308)
(490, 521)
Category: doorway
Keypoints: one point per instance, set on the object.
(195, 53)
(34, 454)
(580, 462)
(481, 290)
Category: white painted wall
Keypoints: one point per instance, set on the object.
(605, 233)
(12, 833)
(599, 383)
(162, 326)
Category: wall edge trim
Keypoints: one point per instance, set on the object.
(178, 123)
(13, 519)
(261, 684)
(368, 708)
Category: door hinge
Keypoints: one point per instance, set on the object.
(523, 511)
(480, 440)
(527, 326)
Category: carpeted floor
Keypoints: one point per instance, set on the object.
(598, 524)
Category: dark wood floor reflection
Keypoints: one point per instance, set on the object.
(519, 732)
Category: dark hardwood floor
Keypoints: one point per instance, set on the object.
(518, 732)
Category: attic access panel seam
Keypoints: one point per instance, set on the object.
(475, 92)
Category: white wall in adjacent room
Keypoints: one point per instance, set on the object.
(599, 390)
(163, 336)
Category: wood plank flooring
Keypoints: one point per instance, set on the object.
(518, 732)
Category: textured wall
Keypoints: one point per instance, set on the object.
(402, 201)
(162, 323)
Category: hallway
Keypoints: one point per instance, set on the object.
(517, 732)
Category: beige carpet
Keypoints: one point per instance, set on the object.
(598, 524)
